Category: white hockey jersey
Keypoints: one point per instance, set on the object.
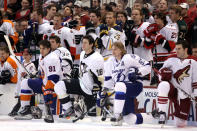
(10, 64)
(65, 34)
(66, 61)
(78, 35)
(170, 32)
(115, 71)
(7, 28)
(89, 65)
(50, 68)
(184, 74)
(141, 51)
(30, 68)
(108, 40)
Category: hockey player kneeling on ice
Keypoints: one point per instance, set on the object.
(119, 74)
(50, 73)
(178, 82)
(90, 69)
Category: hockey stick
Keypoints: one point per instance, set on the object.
(12, 53)
(91, 109)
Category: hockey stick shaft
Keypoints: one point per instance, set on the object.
(12, 53)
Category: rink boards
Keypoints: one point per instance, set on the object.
(146, 101)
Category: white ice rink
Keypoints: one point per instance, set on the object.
(87, 124)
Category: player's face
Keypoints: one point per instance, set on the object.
(110, 20)
(121, 18)
(158, 21)
(44, 51)
(52, 11)
(27, 57)
(57, 21)
(54, 45)
(77, 18)
(116, 52)
(3, 55)
(136, 17)
(173, 15)
(86, 46)
(194, 52)
(181, 53)
(67, 11)
(94, 18)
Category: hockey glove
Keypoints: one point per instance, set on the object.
(132, 77)
(99, 43)
(103, 30)
(151, 29)
(148, 43)
(166, 74)
(159, 39)
(5, 77)
(72, 24)
(135, 39)
(101, 97)
(48, 96)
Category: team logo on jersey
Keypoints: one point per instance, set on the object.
(49, 31)
(117, 36)
(181, 74)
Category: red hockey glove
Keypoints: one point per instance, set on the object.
(166, 74)
(151, 29)
(148, 43)
(159, 39)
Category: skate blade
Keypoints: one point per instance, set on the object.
(26, 117)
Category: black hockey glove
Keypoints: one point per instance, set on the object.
(5, 77)
(99, 43)
(72, 24)
(103, 30)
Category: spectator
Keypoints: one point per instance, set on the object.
(194, 31)
(187, 19)
(125, 3)
(194, 50)
(24, 12)
(51, 10)
(68, 13)
(78, 10)
(96, 4)
(12, 7)
(192, 12)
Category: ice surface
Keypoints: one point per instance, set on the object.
(87, 124)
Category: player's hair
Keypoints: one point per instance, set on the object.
(56, 38)
(120, 46)
(39, 11)
(50, 6)
(1, 16)
(176, 8)
(111, 12)
(141, 12)
(58, 15)
(90, 40)
(121, 12)
(4, 48)
(161, 16)
(96, 12)
(184, 43)
(45, 44)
